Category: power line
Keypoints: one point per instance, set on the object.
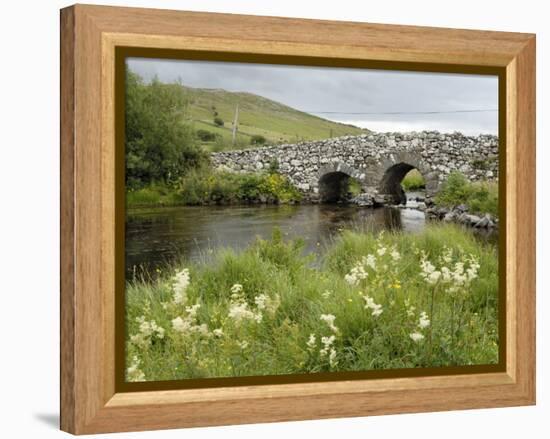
(401, 112)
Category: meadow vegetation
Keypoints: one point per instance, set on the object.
(205, 186)
(374, 301)
(413, 181)
(480, 197)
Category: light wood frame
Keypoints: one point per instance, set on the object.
(89, 36)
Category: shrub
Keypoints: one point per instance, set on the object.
(257, 140)
(480, 197)
(214, 187)
(354, 187)
(413, 181)
(155, 194)
(206, 136)
(159, 146)
(273, 166)
(218, 121)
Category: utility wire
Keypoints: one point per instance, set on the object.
(401, 112)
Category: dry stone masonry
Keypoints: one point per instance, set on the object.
(379, 161)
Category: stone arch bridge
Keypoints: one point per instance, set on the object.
(378, 161)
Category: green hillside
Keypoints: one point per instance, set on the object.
(258, 116)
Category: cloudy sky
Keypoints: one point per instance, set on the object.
(365, 98)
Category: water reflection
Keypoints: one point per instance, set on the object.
(158, 236)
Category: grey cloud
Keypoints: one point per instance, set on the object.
(315, 89)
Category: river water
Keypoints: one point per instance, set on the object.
(159, 236)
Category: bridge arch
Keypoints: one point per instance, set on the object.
(394, 170)
(334, 179)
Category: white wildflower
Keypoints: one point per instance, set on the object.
(327, 343)
(147, 330)
(433, 277)
(218, 332)
(424, 321)
(326, 294)
(447, 256)
(395, 255)
(236, 288)
(329, 320)
(350, 279)
(311, 342)
(239, 311)
(140, 340)
(332, 358)
(192, 310)
(356, 274)
(181, 282)
(416, 336)
(370, 304)
(201, 329)
(427, 267)
(133, 372)
(261, 301)
(242, 344)
(181, 325)
(377, 311)
(381, 251)
(370, 261)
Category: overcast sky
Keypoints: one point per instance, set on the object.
(337, 93)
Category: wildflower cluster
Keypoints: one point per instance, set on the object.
(133, 373)
(188, 325)
(148, 330)
(326, 348)
(329, 320)
(383, 309)
(375, 307)
(456, 275)
(180, 283)
(239, 309)
(373, 262)
(423, 323)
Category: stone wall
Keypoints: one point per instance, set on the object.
(377, 160)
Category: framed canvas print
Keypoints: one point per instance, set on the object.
(269, 219)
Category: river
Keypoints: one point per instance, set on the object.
(159, 236)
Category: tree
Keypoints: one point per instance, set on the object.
(160, 146)
(218, 121)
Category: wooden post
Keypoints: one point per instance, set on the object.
(235, 124)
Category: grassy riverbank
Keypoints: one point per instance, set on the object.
(480, 197)
(209, 187)
(376, 302)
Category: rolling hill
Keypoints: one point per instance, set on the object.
(258, 116)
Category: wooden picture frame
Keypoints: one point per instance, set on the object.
(90, 36)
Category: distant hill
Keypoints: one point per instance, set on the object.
(258, 116)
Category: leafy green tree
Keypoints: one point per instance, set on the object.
(160, 146)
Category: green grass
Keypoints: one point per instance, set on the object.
(258, 115)
(413, 181)
(155, 194)
(282, 298)
(205, 186)
(480, 197)
(217, 187)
